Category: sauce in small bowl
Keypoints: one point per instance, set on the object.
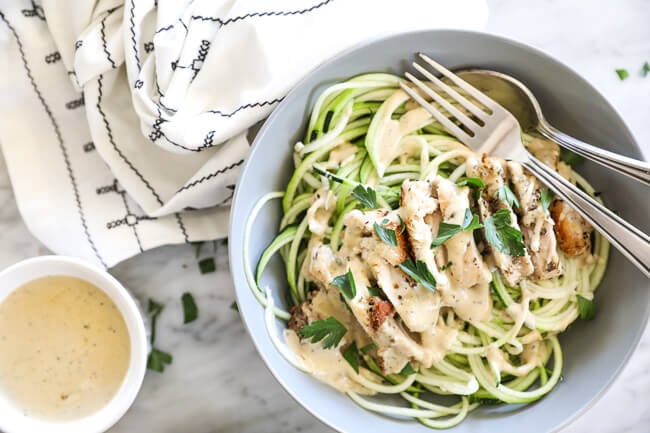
(72, 347)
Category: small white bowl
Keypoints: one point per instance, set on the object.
(12, 419)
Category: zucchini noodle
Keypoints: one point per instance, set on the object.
(485, 361)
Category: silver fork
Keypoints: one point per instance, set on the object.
(500, 136)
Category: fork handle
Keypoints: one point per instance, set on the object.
(637, 170)
(630, 241)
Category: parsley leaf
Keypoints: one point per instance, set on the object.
(207, 266)
(388, 236)
(622, 74)
(366, 196)
(471, 181)
(505, 194)
(568, 157)
(586, 307)
(329, 330)
(190, 311)
(500, 234)
(346, 283)
(234, 306)
(470, 222)
(447, 266)
(419, 272)
(645, 69)
(407, 370)
(367, 348)
(157, 360)
(446, 231)
(351, 354)
(374, 291)
(546, 197)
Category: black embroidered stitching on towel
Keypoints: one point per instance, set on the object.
(35, 11)
(179, 220)
(223, 22)
(164, 29)
(131, 220)
(76, 103)
(242, 107)
(104, 45)
(53, 57)
(157, 132)
(211, 175)
(57, 132)
(132, 29)
(112, 141)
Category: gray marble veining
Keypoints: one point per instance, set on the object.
(218, 383)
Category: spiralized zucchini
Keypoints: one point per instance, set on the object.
(349, 114)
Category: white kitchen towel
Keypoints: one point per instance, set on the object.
(123, 123)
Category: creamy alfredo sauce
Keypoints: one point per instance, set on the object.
(64, 348)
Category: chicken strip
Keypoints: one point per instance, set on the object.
(573, 232)
(467, 266)
(536, 223)
(491, 172)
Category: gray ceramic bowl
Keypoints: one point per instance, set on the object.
(595, 352)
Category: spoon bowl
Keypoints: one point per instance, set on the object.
(513, 95)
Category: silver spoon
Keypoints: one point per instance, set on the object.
(520, 101)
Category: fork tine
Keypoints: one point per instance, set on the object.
(462, 117)
(451, 92)
(471, 90)
(444, 120)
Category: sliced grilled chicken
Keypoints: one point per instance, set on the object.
(416, 306)
(535, 222)
(572, 231)
(467, 267)
(492, 173)
(420, 213)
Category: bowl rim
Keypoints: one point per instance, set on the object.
(235, 253)
(104, 418)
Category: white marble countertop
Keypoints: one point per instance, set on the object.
(218, 383)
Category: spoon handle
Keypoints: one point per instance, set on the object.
(630, 241)
(637, 170)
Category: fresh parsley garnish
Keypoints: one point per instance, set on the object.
(388, 236)
(374, 291)
(329, 330)
(622, 74)
(154, 308)
(569, 157)
(407, 370)
(366, 196)
(645, 69)
(500, 234)
(190, 310)
(586, 307)
(420, 272)
(351, 354)
(505, 194)
(207, 265)
(367, 348)
(346, 283)
(446, 230)
(447, 266)
(471, 181)
(158, 359)
(234, 306)
(546, 197)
